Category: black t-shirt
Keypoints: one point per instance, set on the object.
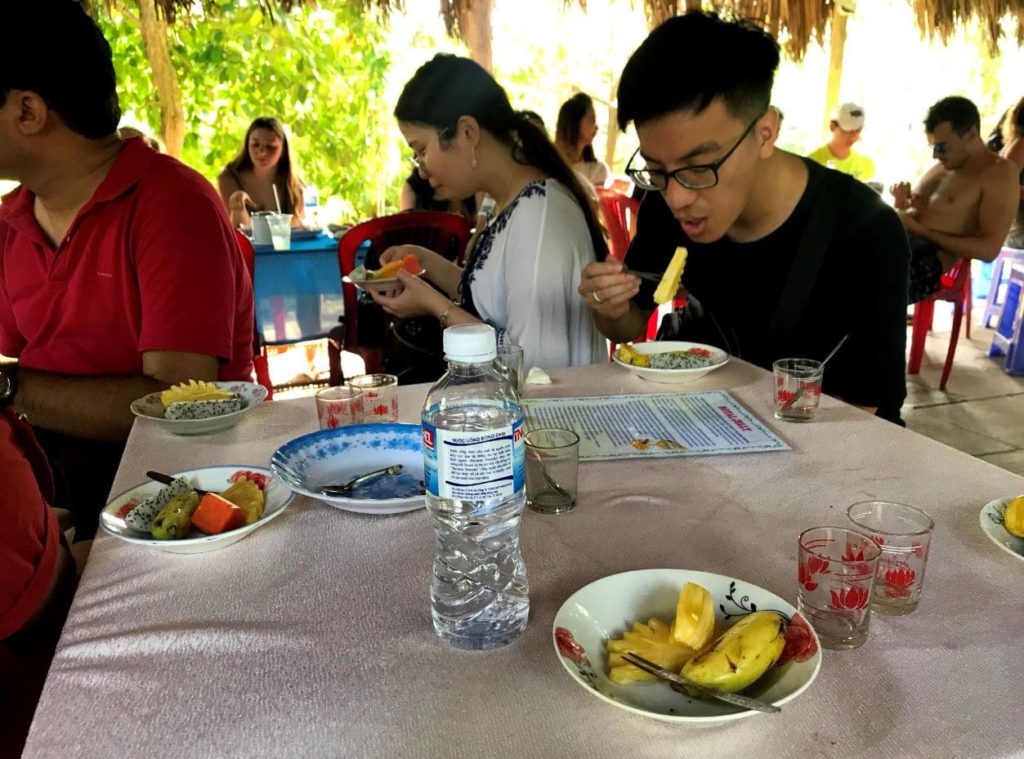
(860, 291)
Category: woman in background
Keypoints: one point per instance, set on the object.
(264, 162)
(523, 269)
(1013, 149)
(574, 137)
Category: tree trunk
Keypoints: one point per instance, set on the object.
(475, 25)
(165, 79)
(613, 125)
(837, 42)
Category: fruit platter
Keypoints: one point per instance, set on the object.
(386, 277)
(198, 408)
(199, 510)
(716, 631)
(670, 361)
(1002, 521)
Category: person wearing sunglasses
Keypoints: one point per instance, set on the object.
(964, 204)
(786, 257)
(846, 126)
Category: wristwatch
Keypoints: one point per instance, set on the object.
(8, 387)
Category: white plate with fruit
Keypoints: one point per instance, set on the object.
(994, 517)
(385, 278)
(198, 408)
(684, 362)
(639, 611)
(177, 519)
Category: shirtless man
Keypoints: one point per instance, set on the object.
(963, 206)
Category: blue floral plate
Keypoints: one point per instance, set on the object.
(333, 457)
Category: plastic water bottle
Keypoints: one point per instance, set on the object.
(311, 203)
(475, 470)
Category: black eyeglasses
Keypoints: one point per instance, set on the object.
(699, 177)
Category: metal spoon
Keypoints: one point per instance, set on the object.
(347, 487)
(800, 390)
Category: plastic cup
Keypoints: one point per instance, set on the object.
(380, 396)
(260, 228)
(904, 534)
(835, 575)
(796, 388)
(280, 230)
(339, 407)
(510, 362)
(552, 470)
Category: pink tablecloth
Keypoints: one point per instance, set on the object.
(312, 637)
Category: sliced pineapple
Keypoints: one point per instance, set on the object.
(694, 625)
(247, 496)
(652, 641)
(194, 391)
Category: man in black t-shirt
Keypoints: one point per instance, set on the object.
(785, 257)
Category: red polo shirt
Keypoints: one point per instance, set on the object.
(149, 264)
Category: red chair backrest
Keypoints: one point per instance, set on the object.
(619, 214)
(445, 233)
(954, 283)
(260, 364)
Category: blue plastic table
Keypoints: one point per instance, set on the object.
(298, 291)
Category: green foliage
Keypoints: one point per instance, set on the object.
(323, 72)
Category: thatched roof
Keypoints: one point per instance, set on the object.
(806, 20)
(171, 9)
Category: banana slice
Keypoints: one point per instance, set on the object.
(669, 284)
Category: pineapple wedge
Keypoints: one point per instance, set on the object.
(194, 391)
(672, 278)
(694, 625)
(247, 496)
(652, 641)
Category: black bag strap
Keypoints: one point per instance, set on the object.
(810, 255)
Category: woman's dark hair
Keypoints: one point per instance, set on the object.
(567, 128)
(286, 179)
(54, 49)
(1013, 127)
(425, 200)
(448, 87)
(741, 61)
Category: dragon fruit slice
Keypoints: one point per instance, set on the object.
(141, 517)
(203, 409)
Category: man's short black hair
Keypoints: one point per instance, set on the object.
(691, 60)
(960, 112)
(53, 48)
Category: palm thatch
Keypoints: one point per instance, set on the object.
(801, 21)
(171, 9)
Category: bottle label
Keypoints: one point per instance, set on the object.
(474, 466)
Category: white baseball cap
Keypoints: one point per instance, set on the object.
(849, 116)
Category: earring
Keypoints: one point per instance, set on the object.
(472, 159)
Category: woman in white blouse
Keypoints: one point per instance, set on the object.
(524, 267)
(575, 131)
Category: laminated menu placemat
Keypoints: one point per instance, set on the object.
(669, 424)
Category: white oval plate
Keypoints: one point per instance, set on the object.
(378, 285)
(606, 607)
(333, 457)
(212, 478)
(991, 518)
(150, 407)
(672, 376)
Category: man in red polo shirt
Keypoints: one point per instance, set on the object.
(119, 270)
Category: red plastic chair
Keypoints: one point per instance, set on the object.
(619, 214)
(259, 350)
(956, 289)
(445, 233)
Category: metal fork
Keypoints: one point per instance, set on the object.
(678, 683)
(650, 276)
